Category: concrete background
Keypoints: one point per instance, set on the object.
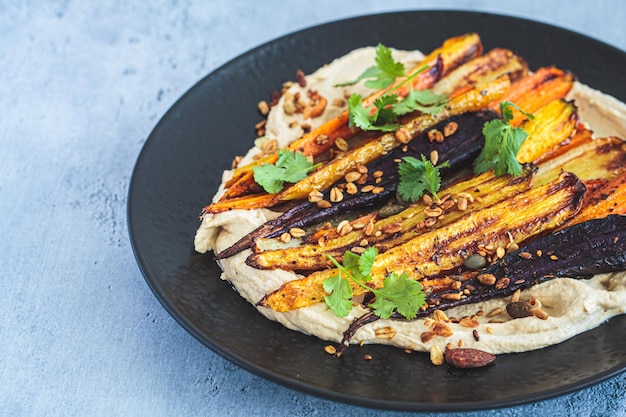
(82, 84)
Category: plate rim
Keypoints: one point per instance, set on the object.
(297, 384)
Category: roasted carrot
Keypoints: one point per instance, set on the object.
(454, 52)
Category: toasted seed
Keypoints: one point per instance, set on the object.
(462, 204)
(554, 257)
(486, 279)
(315, 196)
(454, 296)
(402, 135)
(392, 228)
(433, 211)
(439, 315)
(323, 204)
(516, 296)
(367, 188)
(385, 332)
(436, 356)
(377, 174)
(285, 237)
(367, 357)
(357, 249)
(352, 176)
(342, 144)
(539, 313)
(450, 128)
(434, 157)
(377, 190)
(330, 349)
(263, 107)
(362, 169)
(525, 255)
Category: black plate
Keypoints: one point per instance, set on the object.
(180, 167)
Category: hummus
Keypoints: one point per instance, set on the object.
(573, 306)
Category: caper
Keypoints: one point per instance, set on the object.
(390, 210)
(475, 262)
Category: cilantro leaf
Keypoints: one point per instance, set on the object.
(340, 294)
(423, 100)
(383, 74)
(290, 167)
(400, 293)
(502, 143)
(366, 119)
(418, 176)
(366, 260)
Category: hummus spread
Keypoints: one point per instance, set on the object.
(573, 306)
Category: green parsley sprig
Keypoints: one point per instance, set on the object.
(398, 293)
(418, 176)
(290, 167)
(502, 143)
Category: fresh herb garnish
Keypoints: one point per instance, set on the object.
(502, 143)
(382, 115)
(380, 118)
(290, 167)
(383, 73)
(398, 293)
(418, 176)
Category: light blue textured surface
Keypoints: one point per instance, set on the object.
(81, 86)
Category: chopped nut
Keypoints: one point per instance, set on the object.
(330, 349)
(269, 146)
(362, 169)
(377, 174)
(351, 188)
(500, 252)
(369, 228)
(352, 176)
(336, 195)
(296, 232)
(453, 296)
(436, 355)
(435, 136)
(462, 204)
(322, 140)
(516, 295)
(392, 228)
(385, 332)
(402, 135)
(367, 357)
(502, 283)
(539, 313)
(468, 322)
(450, 128)
(433, 211)
(439, 315)
(285, 237)
(289, 107)
(342, 144)
(323, 204)
(525, 255)
(367, 188)
(315, 196)
(377, 190)
(344, 228)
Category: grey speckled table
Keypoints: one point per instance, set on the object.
(82, 83)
